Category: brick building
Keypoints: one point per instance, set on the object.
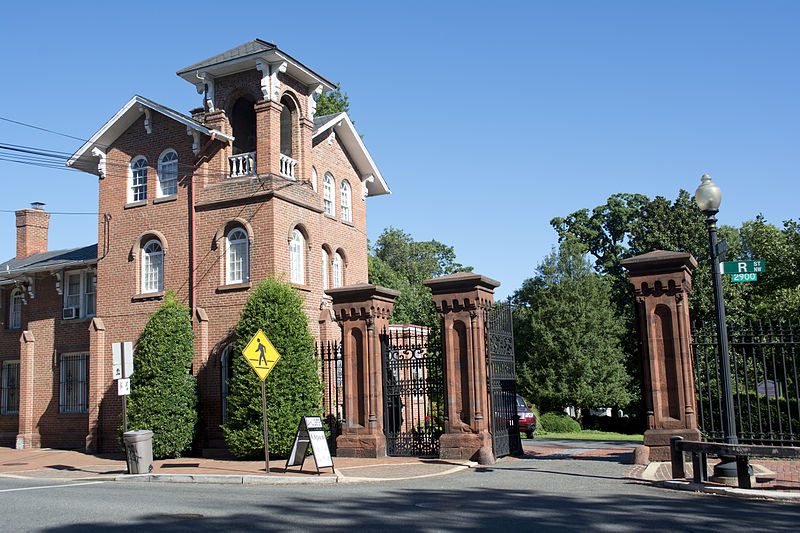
(250, 184)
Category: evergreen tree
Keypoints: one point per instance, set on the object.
(568, 335)
(334, 101)
(163, 395)
(293, 387)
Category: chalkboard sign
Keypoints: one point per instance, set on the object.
(310, 431)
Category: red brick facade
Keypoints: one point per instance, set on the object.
(191, 227)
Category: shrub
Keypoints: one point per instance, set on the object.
(293, 387)
(163, 395)
(558, 423)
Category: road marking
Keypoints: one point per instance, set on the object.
(53, 486)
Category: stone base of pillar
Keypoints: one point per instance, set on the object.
(26, 441)
(467, 447)
(657, 440)
(371, 446)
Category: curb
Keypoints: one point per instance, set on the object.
(730, 491)
(226, 479)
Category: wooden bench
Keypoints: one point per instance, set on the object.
(742, 452)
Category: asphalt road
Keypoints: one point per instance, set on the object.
(521, 495)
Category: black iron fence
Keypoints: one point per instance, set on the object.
(329, 356)
(765, 386)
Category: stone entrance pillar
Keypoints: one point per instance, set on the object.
(363, 312)
(661, 281)
(461, 300)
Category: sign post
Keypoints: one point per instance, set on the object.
(262, 357)
(122, 369)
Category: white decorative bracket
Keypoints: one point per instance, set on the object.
(59, 286)
(312, 101)
(28, 288)
(208, 86)
(270, 87)
(331, 137)
(148, 126)
(364, 182)
(195, 139)
(101, 165)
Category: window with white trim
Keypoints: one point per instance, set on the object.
(325, 260)
(15, 309)
(347, 213)
(168, 174)
(152, 267)
(328, 202)
(9, 387)
(314, 179)
(74, 380)
(137, 191)
(296, 266)
(237, 259)
(338, 270)
(80, 294)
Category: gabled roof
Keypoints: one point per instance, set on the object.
(48, 262)
(351, 140)
(84, 160)
(244, 57)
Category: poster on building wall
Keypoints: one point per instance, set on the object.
(310, 432)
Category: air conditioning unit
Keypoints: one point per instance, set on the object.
(70, 312)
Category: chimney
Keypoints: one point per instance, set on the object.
(32, 226)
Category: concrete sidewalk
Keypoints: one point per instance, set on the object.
(65, 465)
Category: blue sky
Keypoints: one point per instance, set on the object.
(486, 119)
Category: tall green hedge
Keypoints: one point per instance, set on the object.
(293, 387)
(163, 395)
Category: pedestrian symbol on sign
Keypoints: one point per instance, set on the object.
(261, 355)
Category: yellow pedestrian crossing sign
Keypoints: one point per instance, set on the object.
(261, 355)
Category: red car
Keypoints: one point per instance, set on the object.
(527, 420)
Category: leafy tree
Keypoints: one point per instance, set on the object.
(293, 387)
(163, 395)
(568, 335)
(334, 101)
(399, 262)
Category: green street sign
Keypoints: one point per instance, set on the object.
(745, 276)
(743, 267)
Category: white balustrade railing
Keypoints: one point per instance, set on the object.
(287, 166)
(242, 164)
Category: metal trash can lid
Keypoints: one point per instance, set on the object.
(137, 435)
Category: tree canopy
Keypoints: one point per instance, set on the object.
(401, 263)
(334, 101)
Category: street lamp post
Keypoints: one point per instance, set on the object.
(708, 198)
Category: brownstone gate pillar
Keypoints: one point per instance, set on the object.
(363, 312)
(661, 282)
(462, 300)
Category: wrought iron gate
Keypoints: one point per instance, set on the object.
(413, 391)
(502, 380)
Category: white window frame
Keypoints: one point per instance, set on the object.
(152, 263)
(237, 242)
(73, 383)
(328, 200)
(346, 207)
(168, 174)
(338, 270)
(87, 279)
(15, 309)
(296, 257)
(325, 261)
(9, 405)
(314, 179)
(137, 180)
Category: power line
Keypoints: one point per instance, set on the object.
(42, 129)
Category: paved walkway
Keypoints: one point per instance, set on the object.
(774, 478)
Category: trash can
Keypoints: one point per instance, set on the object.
(139, 450)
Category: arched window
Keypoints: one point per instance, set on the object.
(237, 257)
(137, 191)
(338, 270)
(314, 179)
(152, 267)
(297, 265)
(347, 213)
(168, 174)
(15, 310)
(226, 363)
(327, 195)
(325, 260)
(286, 129)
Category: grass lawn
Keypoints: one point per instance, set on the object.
(588, 434)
